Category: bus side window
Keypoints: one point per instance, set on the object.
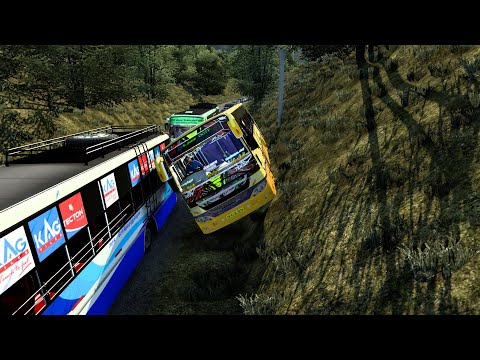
(146, 186)
(155, 181)
(80, 249)
(137, 196)
(94, 210)
(245, 122)
(124, 185)
(54, 271)
(114, 217)
(15, 296)
(126, 203)
(99, 230)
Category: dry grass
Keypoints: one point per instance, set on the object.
(403, 177)
(129, 113)
(135, 113)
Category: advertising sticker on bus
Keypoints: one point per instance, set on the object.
(47, 233)
(134, 172)
(73, 215)
(143, 164)
(156, 151)
(109, 188)
(151, 160)
(15, 258)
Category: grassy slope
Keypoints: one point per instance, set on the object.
(137, 112)
(353, 192)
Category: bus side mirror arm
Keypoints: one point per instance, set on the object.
(233, 125)
(160, 166)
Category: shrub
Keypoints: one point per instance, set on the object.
(213, 282)
(438, 70)
(427, 261)
(423, 53)
(378, 91)
(259, 304)
(391, 65)
(470, 66)
(344, 95)
(404, 96)
(474, 99)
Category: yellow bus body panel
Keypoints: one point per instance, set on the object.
(247, 207)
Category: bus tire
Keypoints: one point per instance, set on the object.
(147, 240)
(173, 185)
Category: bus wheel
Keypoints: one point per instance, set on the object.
(173, 185)
(148, 239)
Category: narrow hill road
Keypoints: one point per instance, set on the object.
(136, 296)
(187, 272)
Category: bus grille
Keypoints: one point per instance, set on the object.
(229, 201)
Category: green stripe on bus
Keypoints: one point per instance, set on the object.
(192, 134)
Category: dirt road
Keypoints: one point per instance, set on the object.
(187, 272)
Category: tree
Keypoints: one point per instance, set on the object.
(184, 57)
(255, 68)
(316, 52)
(156, 66)
(210, 77)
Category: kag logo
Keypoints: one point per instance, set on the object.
(12, 249)
(108, 185)
(51, 233)
(135, 173)
(47, 233)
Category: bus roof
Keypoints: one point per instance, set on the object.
(27, 188)
(199, 112)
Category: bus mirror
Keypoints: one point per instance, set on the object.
(234, 126)
(160, 166)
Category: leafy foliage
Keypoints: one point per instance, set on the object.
(255, 69)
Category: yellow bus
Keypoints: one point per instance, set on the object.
(229, 174)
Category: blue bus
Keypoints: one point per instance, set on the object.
(77, 214)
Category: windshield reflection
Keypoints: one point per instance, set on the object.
(218, 154)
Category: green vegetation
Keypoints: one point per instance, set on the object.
(384, 218)
(255, 69)
(52, 90)
(376, 166)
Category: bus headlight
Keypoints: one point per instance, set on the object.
(203, 219)
(259, 188)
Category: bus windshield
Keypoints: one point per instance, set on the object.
(220, 152)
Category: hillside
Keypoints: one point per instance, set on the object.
(379, 178)
(137, 112)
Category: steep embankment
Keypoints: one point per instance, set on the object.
(379, 205)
